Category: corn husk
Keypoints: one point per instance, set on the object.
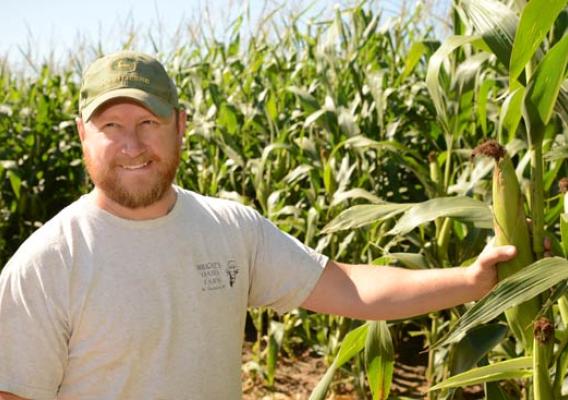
(511, 228)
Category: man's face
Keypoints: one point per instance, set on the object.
(131, 154)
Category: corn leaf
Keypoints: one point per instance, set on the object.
(434, 70)
(405, 156)
(537, 18)
(483, 96)
(468, 72)
(493, 391)
(309, 102)
(297, 174)
(322, 387)
(510, 292)
(511, 114)
(340, 197)
(15, 182)
(465, 209)
(475, 345)
(414, 55)
(352, 344)
(361, 142)
(496, 23)
(379, 359)
(509, 369)
(276, 336)
(561, 106)
(409, 260)
(361, 215)
(564, 233)
(547, 80)
(227, 117)
(314, 117)
(557, 153)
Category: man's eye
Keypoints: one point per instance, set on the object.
(110, 125)
(149, 122)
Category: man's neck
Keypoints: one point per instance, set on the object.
(156, 210)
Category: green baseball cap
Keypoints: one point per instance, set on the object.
(128, 74)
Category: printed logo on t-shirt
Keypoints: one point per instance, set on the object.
(217, 276)
(232, 270)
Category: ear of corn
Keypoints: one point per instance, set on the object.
(511, 228)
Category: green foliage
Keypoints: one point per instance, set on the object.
(353, 134)
(512, 291)
(40, 167)
(299, 121)
(352, 344)
(509, 369)
(379, 359)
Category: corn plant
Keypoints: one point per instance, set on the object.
(527, 47)
(354, 133)
(305, 127)
(517, 44)
(300, 121)
(41, 158)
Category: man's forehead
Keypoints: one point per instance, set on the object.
(103, 108)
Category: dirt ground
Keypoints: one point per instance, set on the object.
(295, 379)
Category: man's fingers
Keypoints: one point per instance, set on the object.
(494, 255)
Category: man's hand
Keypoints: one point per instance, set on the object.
(483, 272)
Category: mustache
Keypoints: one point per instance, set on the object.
(127, 161)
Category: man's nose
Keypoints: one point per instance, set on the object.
(132, 145)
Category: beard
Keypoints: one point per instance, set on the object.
(134, 195)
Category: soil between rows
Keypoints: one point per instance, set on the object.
(296, 378)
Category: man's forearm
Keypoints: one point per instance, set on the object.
(383, 293)
(406, 293)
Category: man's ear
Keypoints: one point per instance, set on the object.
(80, 128)
(182, 123)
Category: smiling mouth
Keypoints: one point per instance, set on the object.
(136, 166)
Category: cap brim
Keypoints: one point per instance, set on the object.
(153, 103)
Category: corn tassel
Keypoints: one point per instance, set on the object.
(511, 228)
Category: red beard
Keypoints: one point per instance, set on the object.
(132, 194)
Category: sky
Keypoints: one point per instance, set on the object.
(49, 30)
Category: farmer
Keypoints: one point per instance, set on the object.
(139, 289)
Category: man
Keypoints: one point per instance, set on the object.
(139, 289)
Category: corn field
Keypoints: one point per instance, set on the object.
(359, 135)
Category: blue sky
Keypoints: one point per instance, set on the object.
(43, 27)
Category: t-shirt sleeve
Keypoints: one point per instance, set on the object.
(284, 270)
(33, 327)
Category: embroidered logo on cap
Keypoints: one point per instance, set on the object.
(125, 65)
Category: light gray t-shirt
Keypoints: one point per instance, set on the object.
(95, 307)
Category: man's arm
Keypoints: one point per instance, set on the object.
(9, 396)
(385, 293)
